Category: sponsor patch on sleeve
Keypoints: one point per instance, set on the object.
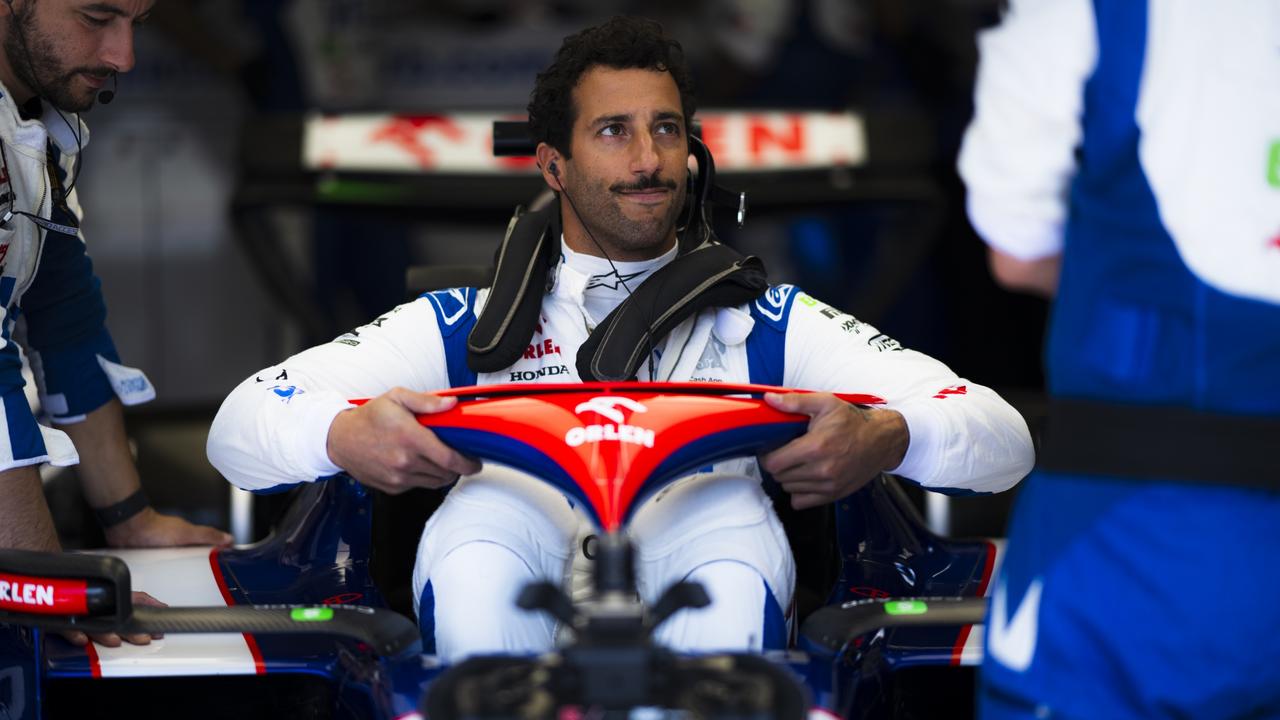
(774, 306)
(452, 307)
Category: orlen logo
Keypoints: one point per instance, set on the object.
(56, 596)
(607, 406)
(26, 593)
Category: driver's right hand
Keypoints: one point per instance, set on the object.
(382, 445)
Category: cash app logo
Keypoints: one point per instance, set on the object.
(1273, 165)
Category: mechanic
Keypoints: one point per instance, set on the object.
(611, 115)
(58, 54)
(1125, 160)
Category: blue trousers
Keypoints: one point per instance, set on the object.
(1136, 599)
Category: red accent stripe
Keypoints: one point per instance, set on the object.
(95, 667)
(217, 576)
(988, 566)
(259, 666)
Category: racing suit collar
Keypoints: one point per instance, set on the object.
(591, 282)
(31, 135)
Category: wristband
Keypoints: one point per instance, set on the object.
(123, 510)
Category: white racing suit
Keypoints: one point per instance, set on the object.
(499, 529)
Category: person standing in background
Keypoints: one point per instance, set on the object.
(58, 56)
(1124, 159)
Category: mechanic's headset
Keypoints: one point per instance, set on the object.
(105, 97)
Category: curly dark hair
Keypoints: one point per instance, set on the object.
(621, 43)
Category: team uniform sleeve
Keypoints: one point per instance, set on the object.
(272, 429)
(23, 441)
(73, 359)
(1018, 155)
(964, 437)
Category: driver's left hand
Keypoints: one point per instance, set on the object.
(152, 529)
(845, 447)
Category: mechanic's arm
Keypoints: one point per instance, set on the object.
(293, 423)
(958, 435)
(1019, 153)
(25, 522)
(82, 385)
(108, 476)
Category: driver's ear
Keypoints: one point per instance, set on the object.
(551, 164)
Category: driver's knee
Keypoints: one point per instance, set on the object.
(467, 605)
(744, 614)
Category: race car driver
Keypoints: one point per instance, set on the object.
(611, 115)
(57, 54)
(1125, 158)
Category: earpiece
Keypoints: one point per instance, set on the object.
(555, 171)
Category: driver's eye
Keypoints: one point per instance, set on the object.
(97, 21)
(613, 130)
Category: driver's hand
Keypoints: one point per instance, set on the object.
(79, 639)
(845, 447)
(382, 445)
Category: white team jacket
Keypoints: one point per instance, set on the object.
(1208, 109)
(272, 429)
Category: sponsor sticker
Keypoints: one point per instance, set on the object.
(953, 390)
(883, 342)
(287, 393)
(538, 350)
(611, 408)
(532, 375)
(43, 595)
(774, 301)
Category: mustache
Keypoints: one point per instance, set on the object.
(648, 183)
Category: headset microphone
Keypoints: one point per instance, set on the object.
(106, 96)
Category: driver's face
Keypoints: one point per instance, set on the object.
(626, 178)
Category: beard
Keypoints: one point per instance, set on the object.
(600, 211)
(34, 60)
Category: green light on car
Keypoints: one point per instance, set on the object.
(906, 607)
(1273, 165)
(311, 614)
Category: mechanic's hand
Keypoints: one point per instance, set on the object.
(845, 447)
(79, 639)
(382, 445)
(151, 529)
